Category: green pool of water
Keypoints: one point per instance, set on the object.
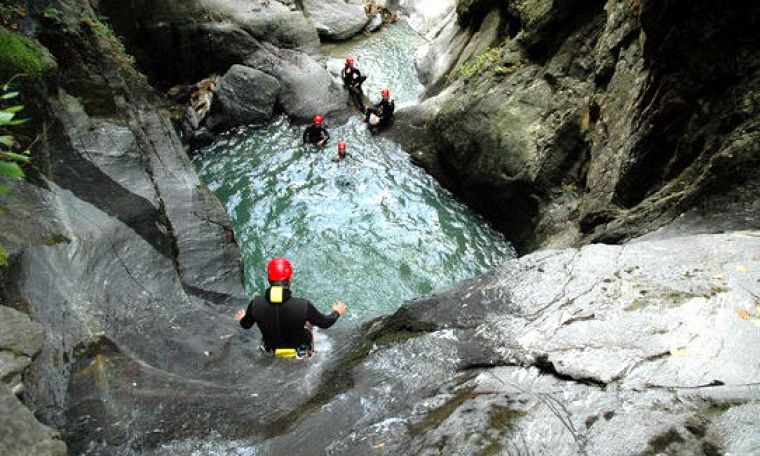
(373, 230)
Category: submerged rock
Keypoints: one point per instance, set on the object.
(336, 19)
(244, 96)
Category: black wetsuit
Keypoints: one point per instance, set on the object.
(353, 80)
(383, 110)
(314, 134)
(283, 325)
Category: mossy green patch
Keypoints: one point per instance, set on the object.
(55, 239)
(435, 417)
(19, 55)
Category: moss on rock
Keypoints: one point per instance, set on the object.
(20, 55)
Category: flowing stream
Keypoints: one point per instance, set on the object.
(373, 230)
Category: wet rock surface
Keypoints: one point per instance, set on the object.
(20, 340)
(602, 350)
(336, 19)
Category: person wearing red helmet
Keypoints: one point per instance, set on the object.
(383, 111)
(342, 152)
(316, 133)
(353, 80)
(284, 320)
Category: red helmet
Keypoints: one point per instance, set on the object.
(279, 269)
(318, 119)
(341, 146)
(349, 60)
(385, 93)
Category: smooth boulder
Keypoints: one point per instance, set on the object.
(307, 87)
(336, 19)
(244, 96)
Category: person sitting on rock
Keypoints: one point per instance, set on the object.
(316, 133)
(353, 80)
(341, 152)
(285, 321)
(382, 112)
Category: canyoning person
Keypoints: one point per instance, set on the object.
(353, 80)
(285, 321)
(316, 133)
(382, 112)
(342, 152)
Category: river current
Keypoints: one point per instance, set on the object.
(373, 230)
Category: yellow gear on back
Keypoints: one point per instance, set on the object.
(275, 295)
(289, 353)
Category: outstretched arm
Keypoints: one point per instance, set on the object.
(317, 318)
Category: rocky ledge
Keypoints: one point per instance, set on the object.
(646, 348)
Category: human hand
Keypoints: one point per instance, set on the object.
(239, 315)
(340, 308)
(321, 143)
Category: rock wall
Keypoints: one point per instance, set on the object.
(115, 242)
(585, 120)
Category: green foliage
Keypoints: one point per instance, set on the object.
(10, 158)
(479, 63)
(104, 31)
(19, 55)
(54, 14)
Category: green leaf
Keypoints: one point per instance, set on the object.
(6, 117)
(6, 141)
(10, 169)
(9, 95)
(13, 109)
(10, 156)
(18, 122)
(3, 257)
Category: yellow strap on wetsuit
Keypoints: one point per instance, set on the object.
(289, 353)
(275, 295)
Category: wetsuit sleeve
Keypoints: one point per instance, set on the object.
(317, 318)
(305, 134)
(326, 134)
(248, 320)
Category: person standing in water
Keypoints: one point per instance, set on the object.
(316, 133)
(383, 111)
(285, 321)
(353, 80)
(342, 153)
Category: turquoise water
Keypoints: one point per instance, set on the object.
(373, 230)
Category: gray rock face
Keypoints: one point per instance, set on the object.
(603, 350)
(18, 333)
(244, 96)
(590, 97)
(21, 434)
(336, 19)
(20, 340)
(307, 87)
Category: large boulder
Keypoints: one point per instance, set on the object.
(307, 87)
(21, 434)
(20, 340)
(244, 96)
(336, 19)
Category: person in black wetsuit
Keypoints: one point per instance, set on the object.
(353, 80)
(383, 110)
(285, 321)
(316, 133)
